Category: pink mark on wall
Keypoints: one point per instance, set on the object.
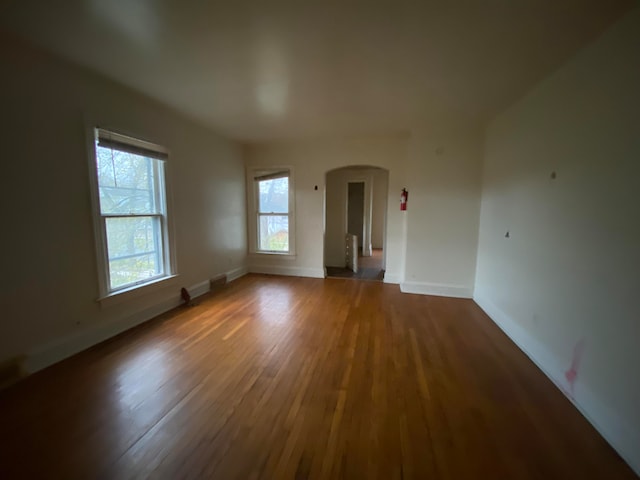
(572, 374)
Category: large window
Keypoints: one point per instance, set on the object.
(273, 211)
(132, 216)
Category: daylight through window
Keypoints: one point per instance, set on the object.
(131, 191)
(273, 212)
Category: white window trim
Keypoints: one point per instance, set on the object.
(106, 295)
(253, 218)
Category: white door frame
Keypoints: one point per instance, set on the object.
(367, 179)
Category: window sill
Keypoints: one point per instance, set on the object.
(284, 256)
(136, 291)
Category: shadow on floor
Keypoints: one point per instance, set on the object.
(369, 268)
(363, 273)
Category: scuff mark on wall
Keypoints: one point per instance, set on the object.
(572, 374)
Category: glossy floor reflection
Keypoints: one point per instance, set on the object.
(292, 378)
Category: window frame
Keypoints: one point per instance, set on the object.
(253, 174)
(161, 193)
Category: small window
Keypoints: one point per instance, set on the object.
(132, 213)
(272, 190)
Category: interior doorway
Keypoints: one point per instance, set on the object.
(355, 205)
(355, 210)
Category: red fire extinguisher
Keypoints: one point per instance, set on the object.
(404, 196)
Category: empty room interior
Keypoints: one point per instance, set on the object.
(359, 240)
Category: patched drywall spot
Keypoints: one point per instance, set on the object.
(572, 374)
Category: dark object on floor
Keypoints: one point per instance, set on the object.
(186, 298)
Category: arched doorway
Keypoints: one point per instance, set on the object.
(355, 204)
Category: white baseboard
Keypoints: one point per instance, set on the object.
(620, 435)
(289, 271)
(442, 290)
(199, 288)
(69, 345)
(236, 273)
(394, 278)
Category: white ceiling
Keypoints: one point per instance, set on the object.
(256, 70)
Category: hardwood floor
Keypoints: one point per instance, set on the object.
(282, 377)
(373, 261)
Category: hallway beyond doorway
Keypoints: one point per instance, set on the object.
(369, 268)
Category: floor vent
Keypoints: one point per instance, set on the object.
(216, 283)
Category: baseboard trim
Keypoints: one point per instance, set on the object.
(441, 290)
(199, 288)
(67, 346)
(236, 273)
(612, 428)
(288, 271)
(392, 278)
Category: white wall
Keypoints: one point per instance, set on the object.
(436, 238)
(379, 207)
(443, 180)
(569, 273)
(311, 159)
(49, 278)
(334, 244)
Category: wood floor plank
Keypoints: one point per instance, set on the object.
(282, 377)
